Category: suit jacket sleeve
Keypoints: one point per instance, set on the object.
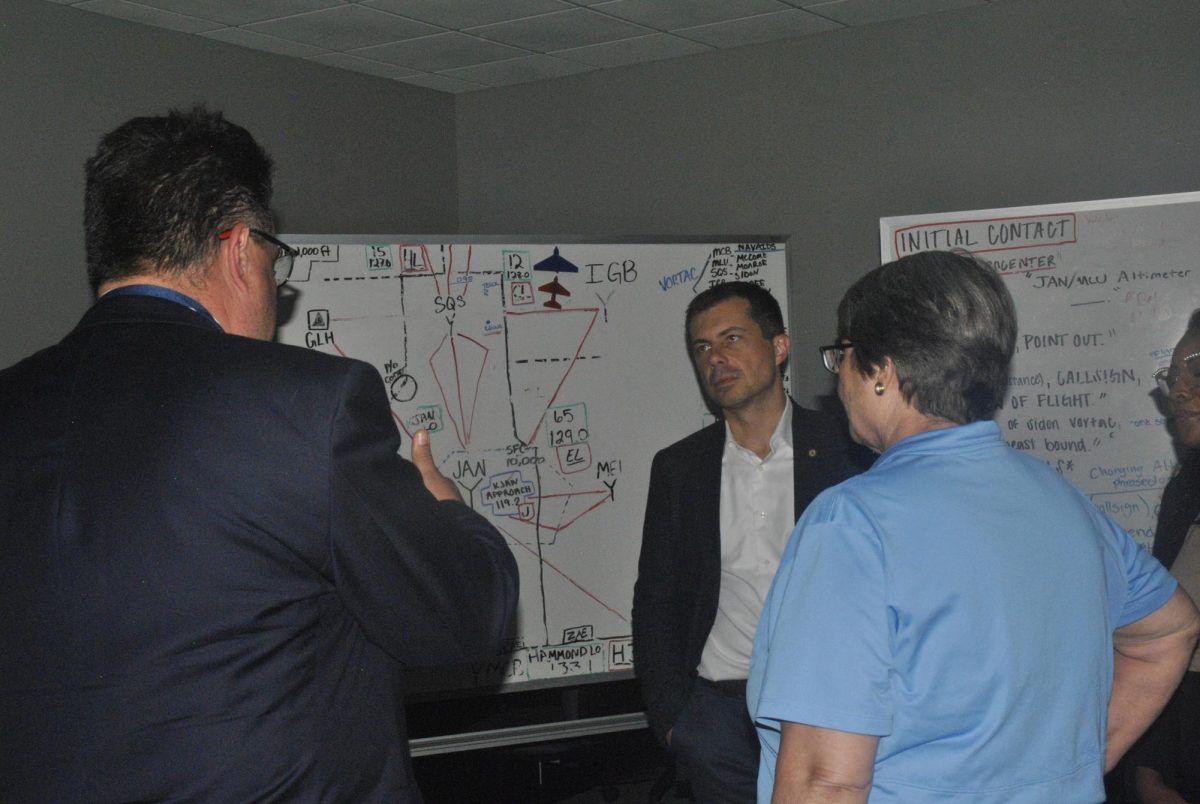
(430, 582)
(659, 626)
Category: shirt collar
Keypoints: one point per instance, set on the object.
(781, 437)
(160, 292)
(959, 437)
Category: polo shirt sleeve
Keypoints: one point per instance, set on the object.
(825, 634)
(1139, 585)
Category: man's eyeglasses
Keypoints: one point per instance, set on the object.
(833, 355)
(285, 256)
(1167, 377)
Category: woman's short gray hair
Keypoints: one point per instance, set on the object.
(947, 322)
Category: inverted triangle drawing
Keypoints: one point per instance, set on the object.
(458, 364)
(543, 348)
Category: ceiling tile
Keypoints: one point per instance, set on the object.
(271, 44)
(763, 28)
(440, 52)
(395, 38)
(560, 30)
(359, 65)
(461, 14)
(240, 12)
(865, 12)
(344, 28)
(517, 71)
(135, 12)
(633, 51)
(442, 83)
(666, 15)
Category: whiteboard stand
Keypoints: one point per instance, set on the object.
(522, 735)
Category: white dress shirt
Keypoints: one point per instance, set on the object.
(757, 518)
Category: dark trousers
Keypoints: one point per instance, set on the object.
(715, 744)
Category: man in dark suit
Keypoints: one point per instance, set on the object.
(215, 563)
(722, 504)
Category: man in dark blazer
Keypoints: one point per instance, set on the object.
(215, 563)
(722, 503)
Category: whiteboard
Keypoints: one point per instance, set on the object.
(549, 372)
(1103, 290)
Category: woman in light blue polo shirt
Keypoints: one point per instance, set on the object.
(943, 627)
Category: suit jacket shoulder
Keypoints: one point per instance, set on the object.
(816, 436)
(706, 441)
(820, 435)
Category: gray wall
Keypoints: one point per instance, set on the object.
(1022, 102)
(353, 153)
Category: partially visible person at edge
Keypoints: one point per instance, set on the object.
(721, 505)
(959, 623)
(1166, 762)
(215, 563)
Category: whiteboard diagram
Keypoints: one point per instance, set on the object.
(1103, 291)
(548, 375)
